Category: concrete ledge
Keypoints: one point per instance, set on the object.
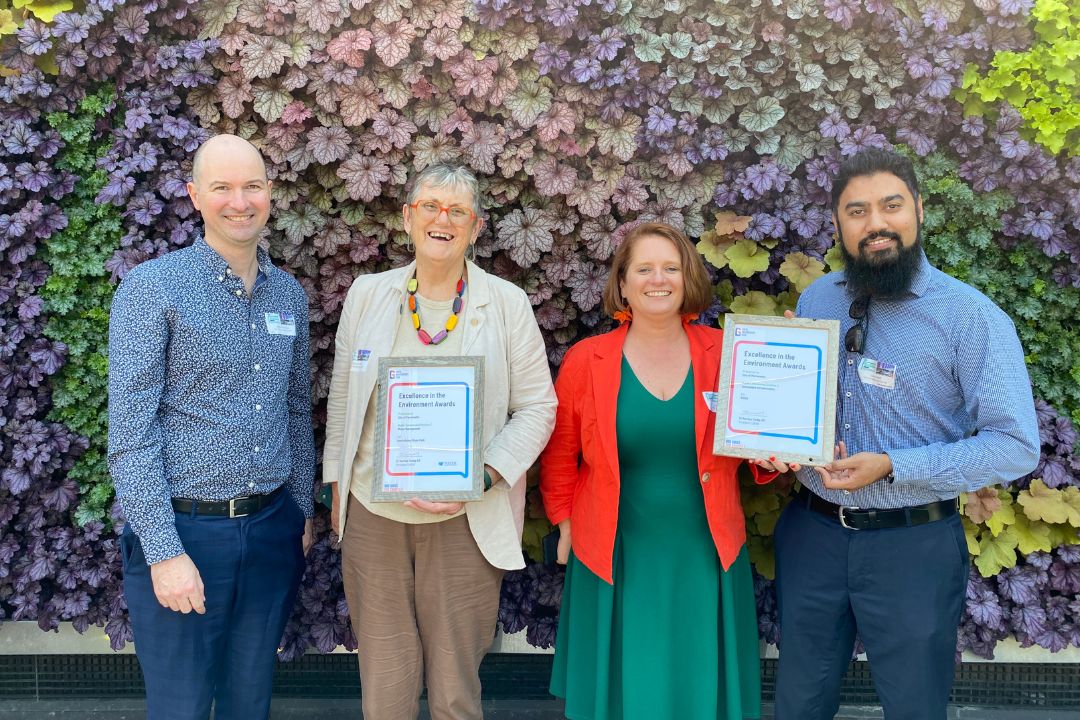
(26, 638)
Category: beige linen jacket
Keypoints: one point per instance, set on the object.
(519, 399)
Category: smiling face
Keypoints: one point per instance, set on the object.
(439, 240)
(229, 188)
(653, 282)
(879, 221)
(877, 217)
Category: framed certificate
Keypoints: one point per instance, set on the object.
(427, 432)
(776, 396)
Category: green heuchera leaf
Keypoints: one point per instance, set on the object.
(801, 269)
(1031, 535)
(754, 302)
(45, 10)
(1043, 503)
(834, 257)
(786, 300)
(1070, 497)
(971, 534)
(725, 291)
(761, 114)
(762, 555)
(713, 248)
(746, 257)
(679, 44)
(649, 48)
(619, 138)
(270, 101)
(757, 502)
(532, 536)
(528, 102)
(215, 15)
(1004, 516)
(996, 552)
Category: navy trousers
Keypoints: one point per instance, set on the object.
(251, 568)
(902, 590)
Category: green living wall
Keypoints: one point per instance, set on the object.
(584, 118)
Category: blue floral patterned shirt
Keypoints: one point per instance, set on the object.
(209, 390)
(940, 386)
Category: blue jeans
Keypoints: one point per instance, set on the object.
(251, 569)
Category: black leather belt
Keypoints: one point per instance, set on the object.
(859, 519)
(237, 507)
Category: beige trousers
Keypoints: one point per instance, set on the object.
(424, 603)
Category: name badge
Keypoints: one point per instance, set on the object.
(712, 400)
(280, 324)
(360, 359)
(876, 373)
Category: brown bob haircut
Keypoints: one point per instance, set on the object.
(697, 290)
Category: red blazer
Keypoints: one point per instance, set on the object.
(579, 470)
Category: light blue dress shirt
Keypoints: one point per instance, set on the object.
(961, 414)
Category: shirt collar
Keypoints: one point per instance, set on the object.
(216, 265)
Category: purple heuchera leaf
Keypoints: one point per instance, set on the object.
(1021, 584)
(1029, 620)
(587, 285)
(525, 234)
(1054, 473)
(34, 37)
(1065, 577)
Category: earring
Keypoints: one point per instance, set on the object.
(470, 252)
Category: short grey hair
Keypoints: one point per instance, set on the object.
(442, 174)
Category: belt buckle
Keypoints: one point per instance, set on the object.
(234, 514)
(840, 513)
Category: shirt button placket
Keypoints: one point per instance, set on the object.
(256, 347)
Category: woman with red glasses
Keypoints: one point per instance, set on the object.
(422, 579)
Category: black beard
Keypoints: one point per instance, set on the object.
(886, 280)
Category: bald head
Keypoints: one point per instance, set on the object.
(224, 150)
(230, 190)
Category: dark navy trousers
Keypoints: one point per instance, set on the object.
(901, 589)
(251, 569)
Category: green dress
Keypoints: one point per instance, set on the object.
(676, 636)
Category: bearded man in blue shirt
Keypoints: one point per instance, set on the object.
(934, 400)
(211, 449)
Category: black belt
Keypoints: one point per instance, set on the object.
(237, 507)
(858, 519)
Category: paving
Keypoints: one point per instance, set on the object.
(494, 709)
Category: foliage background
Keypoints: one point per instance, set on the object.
(583, 117)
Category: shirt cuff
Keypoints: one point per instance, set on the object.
(303, 498)
(160, 543)
(909, 467)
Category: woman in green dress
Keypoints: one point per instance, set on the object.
(658, 617)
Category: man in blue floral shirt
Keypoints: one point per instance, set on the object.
(211, 449)
(934, 400)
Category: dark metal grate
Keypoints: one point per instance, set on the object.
(1006, 685)
(1003, 685)
(45, 677)
(18, 676)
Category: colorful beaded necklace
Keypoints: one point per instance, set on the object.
(451, 322)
